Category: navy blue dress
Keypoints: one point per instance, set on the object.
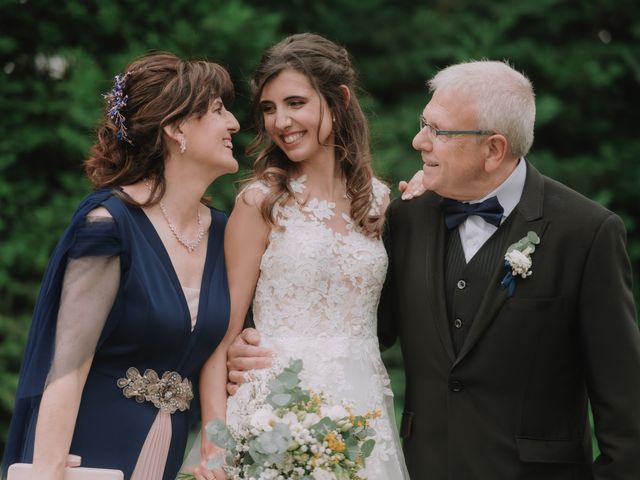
(148, 327)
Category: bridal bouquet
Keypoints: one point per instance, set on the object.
(294, 433)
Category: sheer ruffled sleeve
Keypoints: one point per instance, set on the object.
(96, 237)
(77, 291)
(89, 288)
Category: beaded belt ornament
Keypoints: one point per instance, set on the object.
(169, 393)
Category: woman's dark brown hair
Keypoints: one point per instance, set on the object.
(327, 66)
(161, 89)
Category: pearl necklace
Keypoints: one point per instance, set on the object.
(190, 245)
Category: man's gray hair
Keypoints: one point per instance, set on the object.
(503, 98)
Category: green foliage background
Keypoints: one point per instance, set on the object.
(583, 58)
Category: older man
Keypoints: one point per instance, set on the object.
(503, 352)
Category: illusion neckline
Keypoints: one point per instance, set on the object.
(321, 209)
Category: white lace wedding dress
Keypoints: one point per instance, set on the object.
(316, 300)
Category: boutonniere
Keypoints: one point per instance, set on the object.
(517, 261)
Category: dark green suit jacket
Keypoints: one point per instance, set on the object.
(513, 403)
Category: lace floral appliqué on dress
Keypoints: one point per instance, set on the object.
(316, 300)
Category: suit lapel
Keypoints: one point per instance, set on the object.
(435, 259)
(527, 216)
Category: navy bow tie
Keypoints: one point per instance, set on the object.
(456, 212)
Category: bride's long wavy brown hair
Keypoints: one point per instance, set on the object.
(161, 89)
(327, 66)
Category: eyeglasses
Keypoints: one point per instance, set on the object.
(434, 131)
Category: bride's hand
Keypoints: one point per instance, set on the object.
(208, 452)
(414, 188)
(201, 472)
(245, 354)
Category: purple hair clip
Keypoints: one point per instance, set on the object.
(116, 101)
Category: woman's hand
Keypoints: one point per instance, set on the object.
(201, 472)
(47, 472)
(208, 452)
(414, 188)
(51, 472)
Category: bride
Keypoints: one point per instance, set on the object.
(303, 242)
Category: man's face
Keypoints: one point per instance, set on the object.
(453, 164)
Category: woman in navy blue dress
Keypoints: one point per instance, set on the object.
(135, 297)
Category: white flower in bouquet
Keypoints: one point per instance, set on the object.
(320, 474)
(264, 419)
(310, 419)
(335, 412)
(290, 419)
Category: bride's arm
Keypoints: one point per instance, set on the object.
(245, 241)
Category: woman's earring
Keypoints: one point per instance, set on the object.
(183, 144)
(334, 119)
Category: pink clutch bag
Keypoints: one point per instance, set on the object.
(22, 471)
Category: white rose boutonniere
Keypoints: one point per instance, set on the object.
(517, 261)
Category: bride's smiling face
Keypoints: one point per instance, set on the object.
(296, 117)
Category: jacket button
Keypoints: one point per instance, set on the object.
(455, 385)
(458, 323)
(461, 284)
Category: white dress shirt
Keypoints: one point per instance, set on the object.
(475, 231)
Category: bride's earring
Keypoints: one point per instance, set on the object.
(183, 144)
